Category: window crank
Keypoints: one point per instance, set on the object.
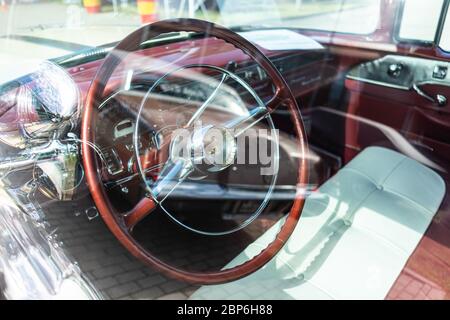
(439, 100)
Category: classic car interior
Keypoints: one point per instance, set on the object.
(110, 191)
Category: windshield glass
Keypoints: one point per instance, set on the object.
(108, 21)
(224, 149)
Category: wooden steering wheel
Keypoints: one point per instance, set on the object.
(121, 224)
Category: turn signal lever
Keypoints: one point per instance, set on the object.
(440, 100)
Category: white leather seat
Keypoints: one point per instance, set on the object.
(353, 238)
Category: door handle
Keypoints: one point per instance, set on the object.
(439, 100)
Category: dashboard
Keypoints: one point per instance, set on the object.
(304, 70)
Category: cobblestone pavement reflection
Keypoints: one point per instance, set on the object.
(118, 275)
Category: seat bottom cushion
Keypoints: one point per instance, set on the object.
(354, 236)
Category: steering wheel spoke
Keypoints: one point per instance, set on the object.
(240, 124)
(171, 175)
(196, 116)
(139, 212)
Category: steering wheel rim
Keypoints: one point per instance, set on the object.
(120, 225)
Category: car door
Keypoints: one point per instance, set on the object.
(400, 100)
